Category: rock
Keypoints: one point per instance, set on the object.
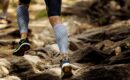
(3, 71)
(89, 55)
(43, 76)
(10, 78)
(42, 55)
(114, 6)
(123, 58)
(38, 42)
(52, 50)
(55, 48)
(4, 62)
(21, 67)
(117, 50)
(110, 72)
(56, 71)
(33, 60)
(4, 67)
(73, 46)
(49, 51)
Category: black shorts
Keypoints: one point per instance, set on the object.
(53, 6)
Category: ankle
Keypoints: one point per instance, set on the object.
(64, 56)
(24, 35)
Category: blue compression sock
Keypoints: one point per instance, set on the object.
(61, 37)
(23, 18)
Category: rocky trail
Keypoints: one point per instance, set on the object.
(97, 51)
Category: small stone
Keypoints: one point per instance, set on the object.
(32, 59)
(10, 78)
(3, 71)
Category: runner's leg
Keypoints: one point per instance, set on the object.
(54, 12)
(23, 17)
(23, 20)
(5, 4)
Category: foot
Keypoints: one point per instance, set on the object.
(23, 46)
(66, 69)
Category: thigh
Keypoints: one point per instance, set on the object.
(53, 7)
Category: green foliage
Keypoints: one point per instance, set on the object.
(103, 20)
(41, 14)
(0, 5)
(33, 1)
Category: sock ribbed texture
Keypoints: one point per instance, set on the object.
(22, 18)
(61, 37)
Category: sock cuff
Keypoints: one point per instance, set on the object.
(23, 31)
(60, 27)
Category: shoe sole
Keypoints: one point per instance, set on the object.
(66, 71)
(22, 49)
